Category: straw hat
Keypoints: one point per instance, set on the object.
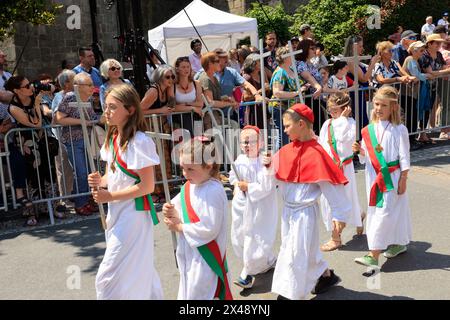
(434, 37)
(415, 45)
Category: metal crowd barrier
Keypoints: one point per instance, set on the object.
(47, 191)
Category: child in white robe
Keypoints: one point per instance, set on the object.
(385, 151)
(199, 215)
(336, 137)
(304, 171)
(127, 270)
(254, 210)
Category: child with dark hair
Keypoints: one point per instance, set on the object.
(339, 80)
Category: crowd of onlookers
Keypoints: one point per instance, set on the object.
(415, 63)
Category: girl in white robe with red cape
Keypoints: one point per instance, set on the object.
(336, 137)
(127, 270)
(385, 151)
(304, 171)
(254, 210)
(199, 215)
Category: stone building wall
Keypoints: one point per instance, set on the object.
(48, 46)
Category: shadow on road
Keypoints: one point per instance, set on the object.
(357, 243)
(417, 258)
(263, 284)
(341, 293)
(85, 235)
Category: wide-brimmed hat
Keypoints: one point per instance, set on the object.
(415, 45)
(434, 37)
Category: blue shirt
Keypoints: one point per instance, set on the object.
(229, 80)
(57, 100)
(399, 54)
(94, 73)
(103, 88)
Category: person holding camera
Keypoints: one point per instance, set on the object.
(25, 108)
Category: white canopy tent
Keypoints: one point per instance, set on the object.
(218, 29)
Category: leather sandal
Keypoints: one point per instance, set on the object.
(331, 245)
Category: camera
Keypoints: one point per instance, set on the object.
(38, 87)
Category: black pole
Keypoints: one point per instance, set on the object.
(193, 25)
(123, 30)
(95, 46)
(138, 53)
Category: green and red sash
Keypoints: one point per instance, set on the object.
(383, 169)
(210, 252)
(333, 147)
(143, 203)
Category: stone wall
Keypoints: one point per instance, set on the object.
(47, 46)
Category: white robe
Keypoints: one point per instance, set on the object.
(254, 215)
(127, 270)
(345, 134)
(300, 262)
(392, 223)
(209, 201)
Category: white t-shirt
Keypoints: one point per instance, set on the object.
(443, 22)
(427, 29)
(336, 83)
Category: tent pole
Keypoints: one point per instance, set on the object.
(201, 39)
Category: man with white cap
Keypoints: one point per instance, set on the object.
(400, 51)
(444, 20)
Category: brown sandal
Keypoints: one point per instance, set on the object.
(331, 245)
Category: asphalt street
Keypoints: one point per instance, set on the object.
(60, 262)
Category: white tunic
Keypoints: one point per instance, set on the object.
(392, 223)
(254, 215)
(209, 201)
(127, 270)
(300, 262)
(345, 134)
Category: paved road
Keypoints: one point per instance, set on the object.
(60, 262)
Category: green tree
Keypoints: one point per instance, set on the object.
(335, 20)
(279, 21)
(35, 12)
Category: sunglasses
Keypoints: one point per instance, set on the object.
(412, 38)
(115, 68)
(170, 77)
(27, 86)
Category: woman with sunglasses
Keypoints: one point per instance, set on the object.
(26, 110)
(159, 99)
(111, 71)
(188, 96)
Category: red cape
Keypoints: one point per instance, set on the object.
(306, 162)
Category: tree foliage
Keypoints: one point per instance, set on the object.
(335, 20)
(279, 21)
(36, 12)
